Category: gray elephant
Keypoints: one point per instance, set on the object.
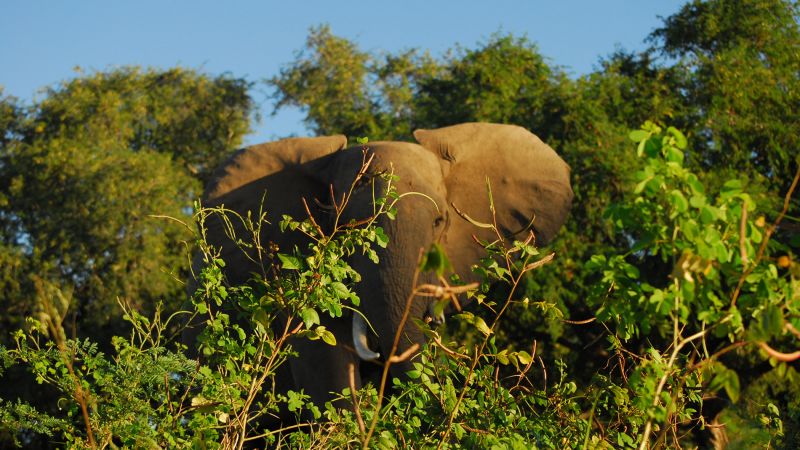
(530, 185)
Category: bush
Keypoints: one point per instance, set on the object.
(729, 303)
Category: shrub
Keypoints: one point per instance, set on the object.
(727, 302)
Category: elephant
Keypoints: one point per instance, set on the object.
(530, 190)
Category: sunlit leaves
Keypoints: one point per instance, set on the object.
(720, 285)
(475, 321)
(88, 165)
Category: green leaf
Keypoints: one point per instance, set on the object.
(372, 255)
(679, 201)
(380, 237)
(295, 401)
(386, 441)
(502, 357)
(772, 321)
(640, 148)
(674, 155)
(262, 318)
(707, 214)
(439, 306)
(721, 252)
(327, 336)
(690, 229)
(680, 139)
(695, 184)
(477, 322)
(697, 201)
(310, 317)
(289, 262)
(652, 147)
(638, 136)
(732, 185)
(754, 233)
(729, 381)
(340, 290)
(524, 357)
(641, 185)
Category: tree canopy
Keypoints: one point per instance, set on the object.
(84, 172)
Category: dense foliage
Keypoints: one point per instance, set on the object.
(672, 305)
(84, 171)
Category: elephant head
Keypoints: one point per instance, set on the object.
(449, 166)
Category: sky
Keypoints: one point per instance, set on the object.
(41, 42)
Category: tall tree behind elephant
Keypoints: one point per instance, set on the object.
(449, 169)
(82, 170)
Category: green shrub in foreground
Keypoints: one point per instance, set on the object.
(726, 305)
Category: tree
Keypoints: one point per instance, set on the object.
(195, 118)
(83, 172)
(504, 80)
(345, 90)
(742, 65)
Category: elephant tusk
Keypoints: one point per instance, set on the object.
(360, 339)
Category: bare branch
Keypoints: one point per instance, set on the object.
(780, 356)
(405, 355)
(539, 263)
(351, 369)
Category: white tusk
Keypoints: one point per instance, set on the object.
(360, 339)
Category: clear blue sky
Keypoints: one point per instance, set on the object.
(42, 41)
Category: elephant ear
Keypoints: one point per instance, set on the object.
(281, 174)
(529, 181)
(258, 161)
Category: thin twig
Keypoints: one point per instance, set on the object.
(716, 355)
(539, 263)
(786, 202)
(479, 352)
(579, 322)
(405, 355)
(311, 218)
(524, 372)
(464, 390)
(742, 230)
(351, 369)
(438, 341)
(663, 381)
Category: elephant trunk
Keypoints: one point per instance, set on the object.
(360, 339)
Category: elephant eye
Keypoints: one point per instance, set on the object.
(439, 221)
(362, 182)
